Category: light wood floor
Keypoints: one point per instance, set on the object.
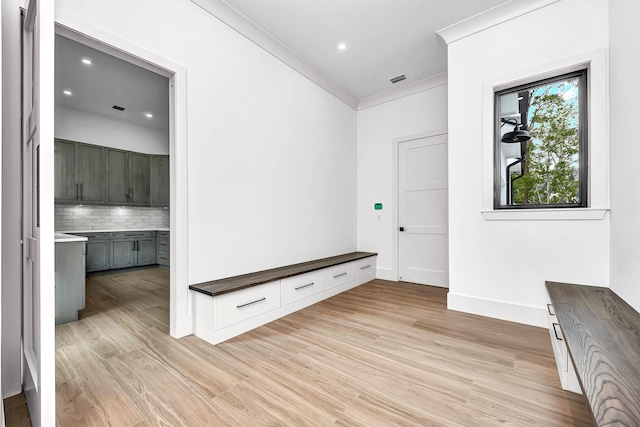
(383, 354)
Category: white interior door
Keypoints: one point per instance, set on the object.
(423, 245)
(38, 333)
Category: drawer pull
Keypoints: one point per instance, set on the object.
(556, 332)
(341, 274)
(549, 309)
(365, 267)
(252, 302)
(305, 286)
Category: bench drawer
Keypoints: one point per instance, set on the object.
(244, 304)
(298, 287)
(338, 274)
(364, 266)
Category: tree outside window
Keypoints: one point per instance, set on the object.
(548, 170)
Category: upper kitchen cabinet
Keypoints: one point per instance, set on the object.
(79, 171)
(127, 178)
(159, 180)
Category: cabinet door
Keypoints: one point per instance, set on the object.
(145, 251)
(122, 253)
(138, 179)
(91, 173)
(65, 188)
(117, 177)
(97, 255)
(159, 181)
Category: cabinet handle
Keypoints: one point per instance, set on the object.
(338, 275)
(304, 286)
(556, 332)
(77, 192)
(365, 267)
(138, 245)
(549, 310)
(81, 192)
(249, 303)
(133, 245)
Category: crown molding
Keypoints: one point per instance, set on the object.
(238, 22)
(490, 18)
(401, 92)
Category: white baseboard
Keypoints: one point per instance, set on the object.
(534, 316)
(386, 274)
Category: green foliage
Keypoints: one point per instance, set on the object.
(551, 171)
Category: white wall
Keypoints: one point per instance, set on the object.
(272, 157)
(11, 226)
(378, 126)
(625, 150)
(83, 126)
(498, 268)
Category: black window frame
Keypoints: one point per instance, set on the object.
(583, 135)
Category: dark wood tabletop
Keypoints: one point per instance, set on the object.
(602, 333)
(230, 284)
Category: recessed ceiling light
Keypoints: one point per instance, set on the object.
(67, 92)
(342, 46)
(148, 115)
(87, 61)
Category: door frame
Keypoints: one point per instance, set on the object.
(395, 147)
(181, 321)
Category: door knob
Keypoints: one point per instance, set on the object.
(401, 228)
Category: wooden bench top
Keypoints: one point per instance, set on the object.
(602, 333)
(230, 284)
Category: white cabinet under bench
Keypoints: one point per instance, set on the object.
(229, 307)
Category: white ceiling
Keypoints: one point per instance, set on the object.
(385, 37)
(109, 81)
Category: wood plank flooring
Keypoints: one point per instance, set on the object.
(383, 354)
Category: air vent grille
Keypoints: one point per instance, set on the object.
(117, 107)
(397, 79)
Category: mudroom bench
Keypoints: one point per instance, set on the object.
(602, 336)
(225, 308)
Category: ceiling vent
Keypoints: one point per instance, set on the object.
(397, 79)
(117, 107)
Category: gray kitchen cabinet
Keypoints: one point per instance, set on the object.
(127, 178)
(122, 252)
(139, 179)
(78, 173)
(65, 186)
(133, 248)
(117, 183)
(97, 251)
(69, 280)
(159, 180)
(163, 252)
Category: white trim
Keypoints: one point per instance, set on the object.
(490, 18)
(261, 38)
(598, 197)
(528, 315)
(402, 91)
(394, 273)
(386, 274)
(544, 214)
(181, 322)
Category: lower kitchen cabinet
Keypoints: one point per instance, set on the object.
(69, 280)
(162, 254)
(97, 248)
(130, 249)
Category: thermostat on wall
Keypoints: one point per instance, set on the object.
(377, 206)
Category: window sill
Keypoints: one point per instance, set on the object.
(545, 214)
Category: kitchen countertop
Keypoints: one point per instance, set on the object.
(66, 238)
(114, 230)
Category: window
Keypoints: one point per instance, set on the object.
(540, 155)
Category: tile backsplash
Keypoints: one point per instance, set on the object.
(72, 218)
